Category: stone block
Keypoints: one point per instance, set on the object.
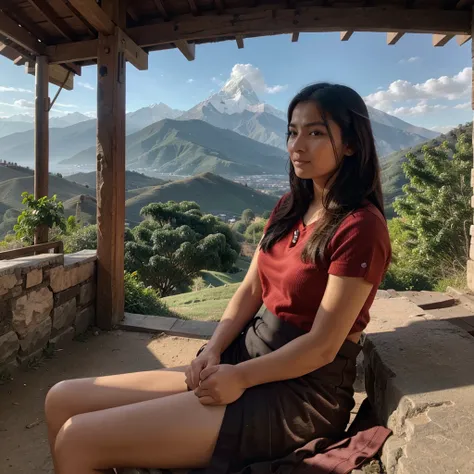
(5, 316)
(428, 299)
(64, 315)
(190, 328)
(470, 274)
(62, 278)
(80, 258)
(33, 278)
(84, 319)
(36, 338)
(63, 338)
(24, 360)
(144, 323)
(7, 282)
(23, 265)
(87, 294)
(66, 295)
(31, 309)
(9, 346)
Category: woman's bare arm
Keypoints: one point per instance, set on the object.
(241, 309)
(342, 302)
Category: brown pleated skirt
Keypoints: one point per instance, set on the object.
(270, 421)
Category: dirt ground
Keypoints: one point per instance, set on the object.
(23, 440)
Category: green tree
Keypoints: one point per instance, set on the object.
(247, 216)
(175, 243)
(44, 211)
(266, 214)
(254, 231)
(239, 226)
(435, 210)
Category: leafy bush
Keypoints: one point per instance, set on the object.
(254, 231)
(266, 214)
(239, 226)
(142, 300)
(402, 279)
(84, 238)
(44, 211)
(248, 216)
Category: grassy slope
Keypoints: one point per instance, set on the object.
(133, 180)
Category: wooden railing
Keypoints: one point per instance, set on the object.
(57, 247)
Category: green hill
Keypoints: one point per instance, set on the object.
(213, 193)
(393, 177)
(10, 172)
(133, 180)
(191, 147)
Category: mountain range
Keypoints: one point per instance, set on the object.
(235, 108)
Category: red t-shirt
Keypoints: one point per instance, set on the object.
(293, 290)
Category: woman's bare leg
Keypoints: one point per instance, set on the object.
(169, 432)
(73, 397)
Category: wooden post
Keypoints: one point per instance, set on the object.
(41, 138)
(110, 180)
(470, 262)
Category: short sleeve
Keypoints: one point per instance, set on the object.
(361, 247)
(274, 211)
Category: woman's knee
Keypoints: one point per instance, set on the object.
(58, 401)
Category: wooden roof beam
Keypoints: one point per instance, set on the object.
(346, 35)
(161, 8)
(20, 35)
(240, 41)
(53, 19)
(311, 19)
(187, 49)
(441, 40)
(20, 61)
(97, 17)
(72, 52)
(461, 39)
(464, 4)
(394, 38)
(57, 75)
(219, 6)
(193, 7)
(295, 37)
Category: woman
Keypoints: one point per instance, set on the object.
(268, 381)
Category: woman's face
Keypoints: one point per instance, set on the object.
(309, 144)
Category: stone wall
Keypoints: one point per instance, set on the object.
(45, 301)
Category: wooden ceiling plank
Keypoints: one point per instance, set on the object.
(346, 35)
(53, 19)
(19, 35)
(193, 7)
(310, 19)
(461, 39)
(295, 37)
(440, 39)
(394, 38)
(94, 14)
(161, 8)
(187, 49)
(240, 41)
(79, 17)
(219, 5)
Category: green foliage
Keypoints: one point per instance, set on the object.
(39, 212)
(175, 243)
(142, 300)
(248, 216)
(267, 214)
(84, 238)
(433, 232)
(254, 231)
(240, 227)
(400, 278)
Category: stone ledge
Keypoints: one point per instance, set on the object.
(420, 380)
(172, 326)
(80, 258)
(25, 264)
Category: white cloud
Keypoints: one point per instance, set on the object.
(190, 81)
(66, 106)
(86, 85)
(24, 104)
(444, 128)
(255, 77)
(14, 89)
(413, 59)
(464, 105)
(444, 87)
(421, 108)
(91, 114)
(217, 81)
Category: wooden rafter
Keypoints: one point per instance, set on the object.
(461, 39)
(441, 40)
(464, 4)
(20, 61)
(19, 35)
(72, 52)
(187, 49)
(161, 8)
(57, 75)
(346, 35)
(53, 19)
(76, 14)
(310, 19)
(240, 41)
(219, 5)
(394, 38)
(295, 37)
(193, 7)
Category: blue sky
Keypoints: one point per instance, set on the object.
(418, 83)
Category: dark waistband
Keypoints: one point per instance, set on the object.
(267, 332)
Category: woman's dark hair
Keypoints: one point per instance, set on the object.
(356, 179)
